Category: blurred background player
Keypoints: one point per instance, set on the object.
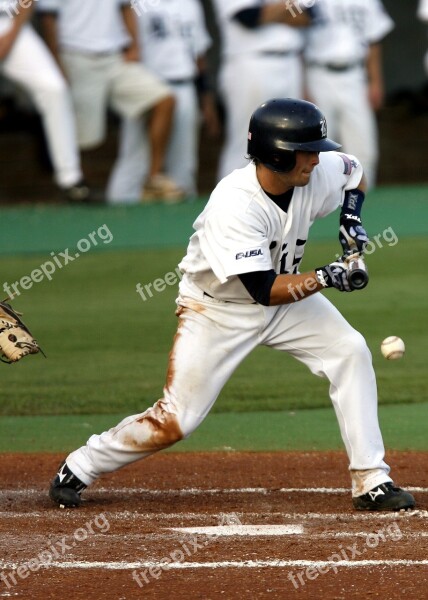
(173, 41)
(98, 49)
(423, 15)
(344, 72)
(260, 59)
(25, 60)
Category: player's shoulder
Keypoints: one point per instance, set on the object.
(336, 170)
(238, 193)
(242, 182)
(338, 163)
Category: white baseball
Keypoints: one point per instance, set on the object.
(392, 347)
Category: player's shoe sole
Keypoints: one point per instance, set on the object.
(66, 488)
(385, 497)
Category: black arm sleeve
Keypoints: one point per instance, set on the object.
(249, 17)
(259, 285)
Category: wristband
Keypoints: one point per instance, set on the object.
(352, 204)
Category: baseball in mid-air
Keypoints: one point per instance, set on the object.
(392, 347)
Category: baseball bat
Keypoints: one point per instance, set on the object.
(358, 276)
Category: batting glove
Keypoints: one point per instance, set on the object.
(334, 275)
(352, 234)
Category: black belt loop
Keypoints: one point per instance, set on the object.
(336, 68)
(278, 53)
(180, 81)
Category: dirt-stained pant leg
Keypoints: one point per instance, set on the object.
(314, 332)
(211, 340)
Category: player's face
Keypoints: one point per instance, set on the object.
(276, 182)
(305, 164)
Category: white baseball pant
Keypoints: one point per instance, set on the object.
(212, 339)
(31, 65)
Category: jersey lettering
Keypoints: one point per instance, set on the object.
(296, 260)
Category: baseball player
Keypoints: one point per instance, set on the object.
(98, 49)
(344, 72)
(241, 288)
(173, 41)
(26, 61)
(260, 59)
(423, 15)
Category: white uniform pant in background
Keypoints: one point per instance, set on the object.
(212, 339)
(31, 65)
(131, 167)
(245, 83)
(343, 98)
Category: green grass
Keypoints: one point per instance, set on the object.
(403, 428)
(107, 349)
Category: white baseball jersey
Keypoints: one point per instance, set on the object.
(423, 10)
(172, 36)
(242, 230)
(343, 30)
(89, 26)
(237, 39)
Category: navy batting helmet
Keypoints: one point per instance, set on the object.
(281, 126)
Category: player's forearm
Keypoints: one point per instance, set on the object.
(21, 18)
(375, 76)
(49, 26)
(287, 14)
(292, 288)
(374, 63)
(363, 184)
(131, 25)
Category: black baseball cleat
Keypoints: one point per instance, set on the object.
(66, 488)
(385, 497)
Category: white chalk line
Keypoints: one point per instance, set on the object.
(56, 514)
(201, 491)
(225, 564)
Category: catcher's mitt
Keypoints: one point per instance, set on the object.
(16, 340)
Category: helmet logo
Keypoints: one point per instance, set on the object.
(324, 128)
(250, 135)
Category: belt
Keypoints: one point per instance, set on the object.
(180, 81)
(336, 67)
(278, 53)
(227, 301)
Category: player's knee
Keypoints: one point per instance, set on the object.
(353, 347)
(55, 87)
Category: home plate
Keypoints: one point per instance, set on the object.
(250, 530)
